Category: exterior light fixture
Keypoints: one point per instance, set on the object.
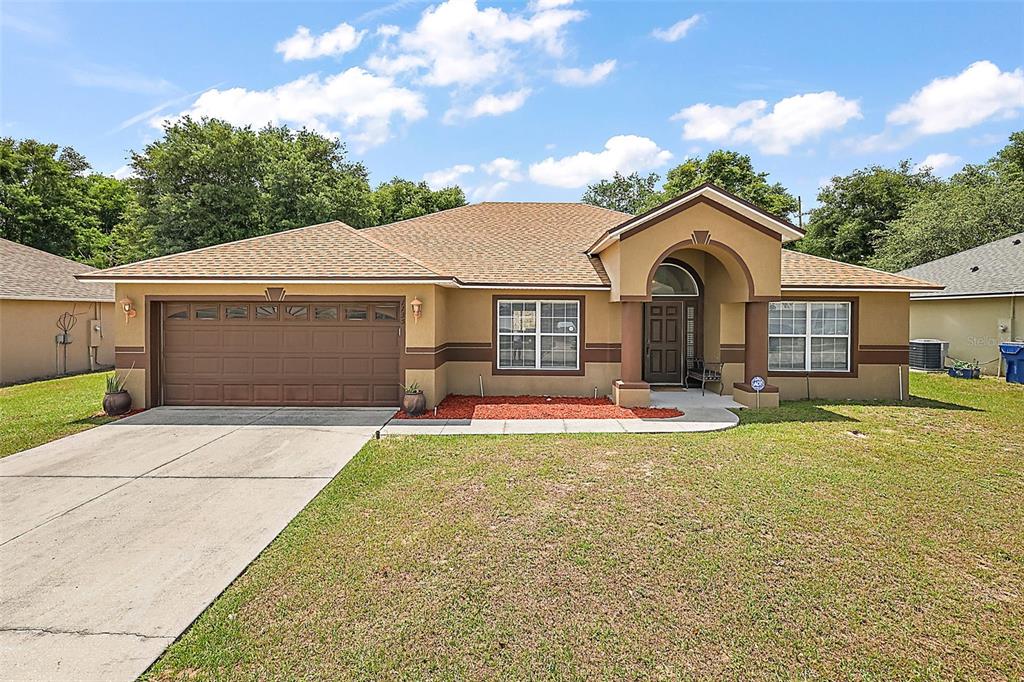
(128, 306)
(417, 308)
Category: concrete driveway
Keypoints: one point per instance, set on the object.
(113, 540)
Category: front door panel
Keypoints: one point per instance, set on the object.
(663, 326)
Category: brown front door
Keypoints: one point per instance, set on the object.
(281, 353)
(663, 323)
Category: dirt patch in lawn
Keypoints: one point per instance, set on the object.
(537, 407)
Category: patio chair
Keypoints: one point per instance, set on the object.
(706, 373)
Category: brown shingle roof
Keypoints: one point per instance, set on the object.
(493, 243)
(326, 251)
(508, 242)
(802, 270)
(28, 273)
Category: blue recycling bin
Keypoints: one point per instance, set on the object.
(1013, 354)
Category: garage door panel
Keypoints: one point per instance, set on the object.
(235, 365)
(355, 340)
(240, 394)
(284, 359)
(206, 338)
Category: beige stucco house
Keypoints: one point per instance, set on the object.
(981, 305)
(37, 289)
(512, 298)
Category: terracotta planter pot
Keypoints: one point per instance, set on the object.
(414, 403)
(119, 403)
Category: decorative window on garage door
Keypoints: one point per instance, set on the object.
(542, 335)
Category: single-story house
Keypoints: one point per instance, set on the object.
(980, 306)
(39, 299)
(512, 298)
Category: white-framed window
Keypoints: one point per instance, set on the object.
(809, 336)
(538, 334)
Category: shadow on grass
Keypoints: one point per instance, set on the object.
(94, 420)
(824, 410)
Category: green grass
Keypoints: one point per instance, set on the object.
(817, 541)
(36, 413)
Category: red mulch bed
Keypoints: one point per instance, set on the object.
(537, 407)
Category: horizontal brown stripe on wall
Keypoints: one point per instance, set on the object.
(732, 352)
(129, 360)
(129, 349)
(865, 346)
(425, 357)
(883, 357)
(602, 352)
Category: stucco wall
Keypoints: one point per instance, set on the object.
(27, 346)
(974, 327)
(629, 267)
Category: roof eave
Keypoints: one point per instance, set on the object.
(787, 230)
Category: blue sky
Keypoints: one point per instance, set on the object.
(530, 101)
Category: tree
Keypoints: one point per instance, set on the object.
(44, 200)
(401, 199)
(856, 210)
(208, 182)
(633, 193)
(733, 172)
(978, 205)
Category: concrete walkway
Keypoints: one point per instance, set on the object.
(710, 412)
(113, 540)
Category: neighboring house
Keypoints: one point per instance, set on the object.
(512, 298)
(36, 290)
(981, 305)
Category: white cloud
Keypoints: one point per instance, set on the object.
(96, 76)
(504, 168)
(940, 162)
(791, 121)
(622, 153)
(489, 105)
(456, 43)
(579, 77)
(358, 103)
(678, 30)
(304, 45)
(717, 123)
(123, 172)
(447, 177)
(976, 94)
(488, 192)
(540, 5)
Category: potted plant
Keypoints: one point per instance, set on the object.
(965, 370)
(117, 401)
(413, 402)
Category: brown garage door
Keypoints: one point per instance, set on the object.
(281, 353)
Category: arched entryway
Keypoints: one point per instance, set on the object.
(673, 323)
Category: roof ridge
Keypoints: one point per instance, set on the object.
(214, 246)
(425, 215)
(392, 249)
(859, 267)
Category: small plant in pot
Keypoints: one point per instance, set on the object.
(414, 403)
(117, 401)
(965, 370)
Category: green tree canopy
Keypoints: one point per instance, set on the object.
(978, 205)
(633, 193)
(208, 182)
(855, 210)
(732, 171)
(44, 197)
(401, 199)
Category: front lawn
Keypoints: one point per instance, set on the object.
(36, 413)
(818, 540)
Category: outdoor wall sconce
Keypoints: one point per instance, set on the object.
(417, 308)
(128, 306)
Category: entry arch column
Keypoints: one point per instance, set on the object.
(631, 390)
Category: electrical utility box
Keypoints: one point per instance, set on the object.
(95, 333)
